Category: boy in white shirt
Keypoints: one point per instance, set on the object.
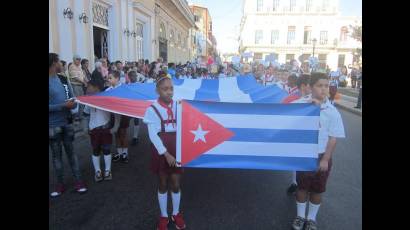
(100, 135)
(330, 128)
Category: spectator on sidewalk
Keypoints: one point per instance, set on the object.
(343, 77)
(77, 80)
(353, 76)
(333, 85)
(120, 68)
(86, 70)
(61, 132)
(359, 99)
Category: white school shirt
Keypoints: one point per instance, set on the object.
(154, 124)
(330, 125)
(98, 117)
(268, 79)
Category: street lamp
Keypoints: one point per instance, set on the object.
(314, 44)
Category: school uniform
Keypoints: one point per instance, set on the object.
(268, 80)
(162, 127)
(99, 128)
(330, 124)
(333, 84)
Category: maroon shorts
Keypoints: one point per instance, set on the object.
(124, 122)
(159, 164)
(313, 181)
(99, 138)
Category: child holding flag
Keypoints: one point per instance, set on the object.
(314, 183)
(99, 130)
(303, 91)
(121, 124)
(161, 121)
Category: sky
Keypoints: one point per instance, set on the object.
(226, 17)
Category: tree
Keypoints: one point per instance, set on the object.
(356, 33)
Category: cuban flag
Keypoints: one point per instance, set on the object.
(247, 135)
(133, 99)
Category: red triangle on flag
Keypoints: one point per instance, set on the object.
(199, 133)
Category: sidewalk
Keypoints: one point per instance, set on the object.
(348, 103)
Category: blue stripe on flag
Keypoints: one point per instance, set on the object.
(259, 93)
(296, 109)
(255, 162)
(275, 135)
(208, 91)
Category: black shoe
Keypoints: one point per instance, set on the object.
(124, 159)
(116, 157)
(292, 189)
(357, 107)
(135, 141)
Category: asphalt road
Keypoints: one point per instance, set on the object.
(212, 199)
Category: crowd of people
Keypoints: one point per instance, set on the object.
(67, 83)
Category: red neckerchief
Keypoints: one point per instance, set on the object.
(292, 90)
(169, 112)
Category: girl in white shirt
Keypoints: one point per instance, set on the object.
(161, 121)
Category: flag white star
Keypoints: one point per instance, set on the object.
(199, 134)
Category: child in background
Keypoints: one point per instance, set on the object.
(100, 135)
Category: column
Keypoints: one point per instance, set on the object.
(124, 38)
(79, 28)
(64, 30)
(50, 28)
(131, 27)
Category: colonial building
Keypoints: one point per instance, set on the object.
(295, 29)
(205, 41)
(125, 30)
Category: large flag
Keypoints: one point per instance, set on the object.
(247, 135)
(133, 99)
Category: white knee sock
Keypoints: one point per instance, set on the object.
(176, 198)
(136, 131)
(96, 163)
(107, 161)
(119, 151)
(125, 152)
(313, 209)
(163, 201)
(301, 209)
(294, 177)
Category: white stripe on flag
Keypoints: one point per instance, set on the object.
(229, 91)
(265, 149)
(266, 121)
(187, 89)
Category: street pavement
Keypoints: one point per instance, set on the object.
(212, 199)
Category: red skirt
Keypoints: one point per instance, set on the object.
(159, 164)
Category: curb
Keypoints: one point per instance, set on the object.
(352, 110)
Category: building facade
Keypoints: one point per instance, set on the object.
(295, 29)
(126, 30)
(205, 41)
